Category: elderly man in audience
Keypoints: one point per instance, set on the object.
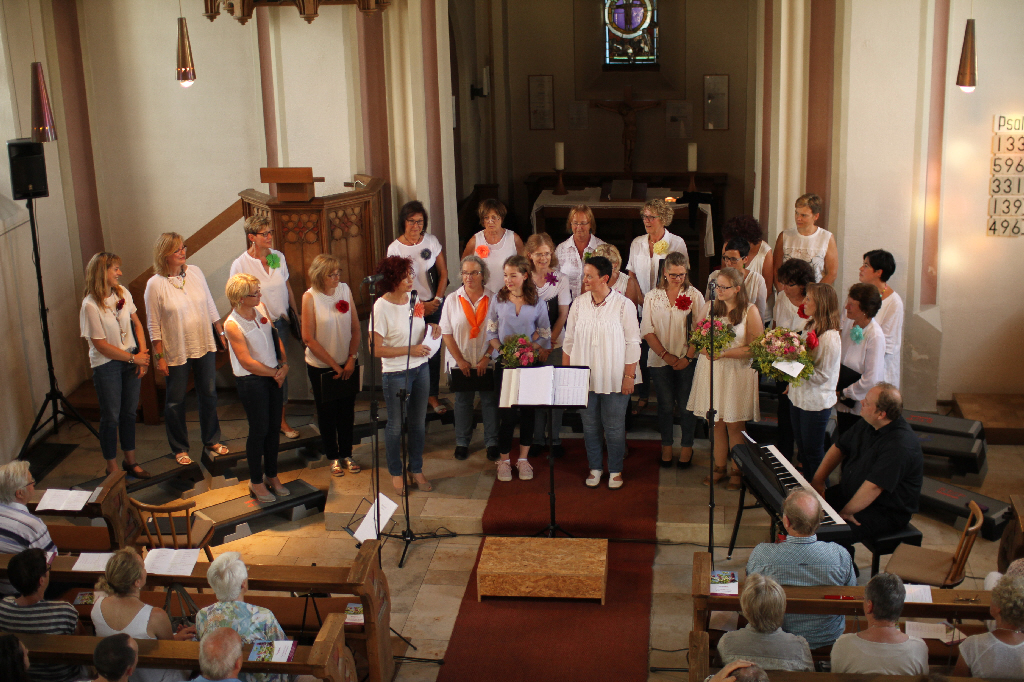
(763, 641)
(220, 656)
(881, 648)
(29, 613)
(803, 560)
(229, 579)
(1000, 653)
(18, 528)
(115, 657)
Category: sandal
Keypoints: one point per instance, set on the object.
(397, 483)
(135, 469)
(351, 465)
(439, 408)
(337, 469)
(218, 449)
(719, 475)
(641, 405)
(290, 433)
(735, 480)
(183, 459)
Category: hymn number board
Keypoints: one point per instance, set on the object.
(1006, 184)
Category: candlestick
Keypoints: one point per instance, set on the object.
(559, 156)
(559, 189)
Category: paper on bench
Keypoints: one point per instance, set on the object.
(282, 651)
(63, 500)
(921, 594)
(163, 561)
(368, 528)
(925, 630)
(92, 561)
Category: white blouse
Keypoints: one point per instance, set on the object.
(753, 284)
(570, 262)
(273, 284)
(818, 391)
(866, 357)
(454, 322)
(644, 265)
(786, 314)
(621, 283)
(392, 323)
(890, 319)
(333, 327)
(259, 338)
(181, 318)
(666, 321)
(605, 338)
(110, 324)
(423, 257)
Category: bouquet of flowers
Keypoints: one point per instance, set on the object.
(781, 344)
(517, 351)
(700, 338)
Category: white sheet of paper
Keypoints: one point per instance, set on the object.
(63, 500)
(92, 561)
(283, 650)
(926, 630)
(509, 387)
(572, 386)
(368, 528)
(163, 561)
(791, 368)
(918, 593)
(430, 342)
(536, 385)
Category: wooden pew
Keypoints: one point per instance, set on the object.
(363, 579)
(327, 659)
(123, 522)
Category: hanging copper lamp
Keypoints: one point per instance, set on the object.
(43, 129)
(186, 68)
(967, 74)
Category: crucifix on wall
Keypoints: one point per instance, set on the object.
(627, 108)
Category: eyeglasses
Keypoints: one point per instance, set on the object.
(674, 275)
(255, 294)
(475, 273)
(336, 273)
(729, 259)
(721, 288)
(648, 216)
(580, 224)
(180, 249)
(265, 234)
(417, 223)
(492, 219)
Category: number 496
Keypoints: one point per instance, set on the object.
(1004, 227)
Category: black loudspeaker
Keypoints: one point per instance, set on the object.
(28, 169)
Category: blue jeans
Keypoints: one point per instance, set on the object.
(672, 387)
(416, 416)
(464, 417)
(205, 371)
(809, 434)
(263, 401)
(435, 360)
(605, 412)
(117, 388)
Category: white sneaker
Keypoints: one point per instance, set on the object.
(614, 483)
(504, 470)
(525, 470)
(594, 479)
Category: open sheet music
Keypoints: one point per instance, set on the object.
(556, 386)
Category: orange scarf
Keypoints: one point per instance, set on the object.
(476, 319)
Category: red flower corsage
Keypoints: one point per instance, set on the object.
(812, 340)
(801, 313)
(264, 320)
(120, 304)
(683, 302)
(483, 251)
(342, 306)
(418, 310)
(550, 278)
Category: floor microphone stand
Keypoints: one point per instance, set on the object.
(371, 285)
(711, 427)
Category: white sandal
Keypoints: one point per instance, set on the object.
(594, 479)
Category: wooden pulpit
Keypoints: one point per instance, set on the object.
(293, 184)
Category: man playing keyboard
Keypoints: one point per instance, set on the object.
(882, 468)
(802, 560)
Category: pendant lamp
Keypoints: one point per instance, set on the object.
(967, 74)
(43, 129)
(186, 74)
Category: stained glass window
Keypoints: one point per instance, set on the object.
(631, 32)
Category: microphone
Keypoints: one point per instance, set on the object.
(412, 302)
(712, 286)
(372, 279)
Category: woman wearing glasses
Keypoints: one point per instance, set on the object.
(269, 267)
(182, 320)
(493, 244)
(260, 369)
(572, 253)
(424, 251)
(734, 255)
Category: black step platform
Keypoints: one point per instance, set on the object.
(161, 470)
(965, 455)
(226, 516)
(950, 501)
(937, 423)
(219, 464)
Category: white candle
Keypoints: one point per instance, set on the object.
(559, 156)
(691, 157)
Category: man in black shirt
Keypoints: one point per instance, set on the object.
(882, 468)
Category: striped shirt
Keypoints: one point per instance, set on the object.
(805, 562)
(20, 530)
(42, 618)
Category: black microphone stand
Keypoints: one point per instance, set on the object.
(711, 425)
(371, 285)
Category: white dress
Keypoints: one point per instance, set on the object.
(890, 319)
(497, 254)
(736, 398)
(757, 262)
(137, 630)
(570, 262)
(786, 314)
(753, 284)
(811, 248)
(621, 284)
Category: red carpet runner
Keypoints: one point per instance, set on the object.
(566, 640)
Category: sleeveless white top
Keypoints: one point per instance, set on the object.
(811, 249)
(497, 254)
(258, 338)
(333, 327)
(137, 630)
(757, 262)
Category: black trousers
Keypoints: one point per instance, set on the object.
(874, 522)
(335, 418)
(263, 401)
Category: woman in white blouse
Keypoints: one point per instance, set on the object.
(493, 244)
(425, 252)
(620, 281)
(878, 267)
(330, 330)
(794, 276)
(268, 265)
(863, 352)
(667, 320)
(260, 367)
(574, 251)
(464, 330)
(398, 350)
(182, 320)
(603, 333)
(999, 653)
(812, 400)
(118, 356)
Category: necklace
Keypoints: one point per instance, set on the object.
(117, 318)
(181, 280)
(603, 300)
(516, 295)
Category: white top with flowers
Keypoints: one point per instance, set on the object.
(333, 324)
(668, 321)
(818, 391)
(644, 265)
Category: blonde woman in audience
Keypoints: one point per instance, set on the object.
(229, 579)
(330, 330)
(620, 281)
(118, 609)
(574, 251)
(667, 321)
(763, 641)
(878, 267)
(183, 321)
(1000, 653)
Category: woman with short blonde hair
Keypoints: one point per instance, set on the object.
(580, 245)
(620, 281)
(763, 641)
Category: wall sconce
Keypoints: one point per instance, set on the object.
(43, 129)
(967, 74)
(186, 74)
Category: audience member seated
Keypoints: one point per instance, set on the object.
(228, 577)
(29, 573)
(739, 671)
(881, 649)
(115, 657)
(1000, 653)
(13, 659)
(802, 560)
(220, 655)
(763, 641)
(19, 529)
(118, 610)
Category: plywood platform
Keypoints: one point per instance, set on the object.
(1002, 414)
(573, 568)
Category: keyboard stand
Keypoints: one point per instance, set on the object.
(739, 515)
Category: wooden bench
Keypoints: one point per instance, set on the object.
(363, 579)
(327, 659)
(123, 524)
